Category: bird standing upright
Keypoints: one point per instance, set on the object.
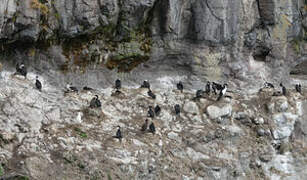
(180, 86)
(118, 134)
(145, 125)
(177, 109)
(38, 84)
(222, 92)
(152, 128)
(118, 84)
(283, 89)
(298, 88)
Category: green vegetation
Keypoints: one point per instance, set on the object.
(1, 170)
(81, 133)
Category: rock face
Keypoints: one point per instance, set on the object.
(49, 134)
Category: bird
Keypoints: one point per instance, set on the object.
(118, 84)
(95, 102)
(150, 112)
(71, 88)
(152, 128)
(298, 88)
(180, 86)
(21, 69)
(157, 110)
(118, 134)
(145, 84)
(151, 94)
(145, 125)
(216, 87)
(177, 109)
(283, 89)
(268, 85)
(86, 88)
(208, 88)
(38, 84)
(222, 92)
(199, 93)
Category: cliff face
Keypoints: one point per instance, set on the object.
(52, 135)
(240, 41)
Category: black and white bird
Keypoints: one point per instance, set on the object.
(177, 109)
(145, 125)
(21, 69)
(199, 93)
(70, 88)
(157, 110)
(118, 84)
(95, 102)
(216, 87)
(86, 88)
(298, 88)
(152, 128)
(150, 112)
(283, 89)
(145, 84)
(268, 85)
(38, 84)
(151, 94)
(118, 134)
(180, 86)
(208, 85)
(222, 92)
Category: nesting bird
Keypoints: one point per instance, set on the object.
(86, 88)
(157, 110)
(71, 88)
(95, 102)
(118, 84)
(38, 84)
(118, 134)
(151, 94)
(145, 125)
(152, 128)
(222, 92)
(180, 86)
(145, 84)
(199, 93)
(150, 112)
(268, 85)
(298, 88)
(177, 109)
(21, 69)
(216, 87)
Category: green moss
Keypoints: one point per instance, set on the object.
(296, 44)
(81, 133)
(1, 170)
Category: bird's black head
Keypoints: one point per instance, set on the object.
(96, 96)
(281, 84)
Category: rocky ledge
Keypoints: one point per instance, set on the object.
(52, 135)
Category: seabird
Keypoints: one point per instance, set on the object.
(180, 86)
(118, 84)
(118, 134)
(71, 88)
(216, 87)
(152, 128)
(222, 92)
(151, 94)
(150, 112)
(268, 85)
(177, 109)
(87, 88)
(283, 89)
(145, 125)
(199, 93)
(21, 69)
(95, 102)
(208, 88)
(145, 84)
(298, 88)
(157, 110)
(38, 84)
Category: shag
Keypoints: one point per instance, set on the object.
(145, 84)
(199, 93)
(145, 125)
(268, 85)
(95, 102)
(151, 94)
(208, 88)
(87, 88)
(71, 88)
(38, 84)
(118, 84)
(283, 89)
(118, 133)
(150, 112)
(180, 86)
(222, 92)
(21, 69)
(157, 110)
(298, 88)
(152, 128)
(177, 109)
